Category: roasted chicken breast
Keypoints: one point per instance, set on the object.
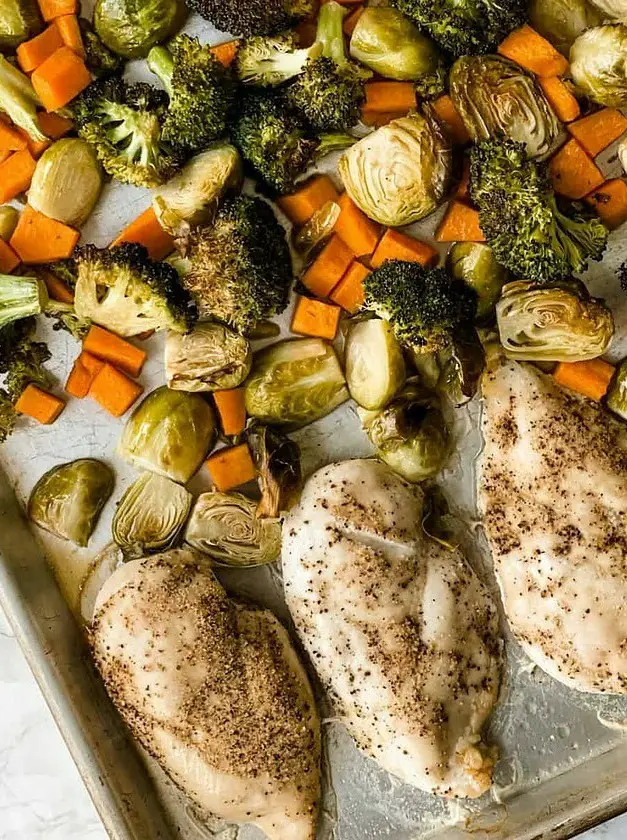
(214, 691)
(400, 630)
(553, 496)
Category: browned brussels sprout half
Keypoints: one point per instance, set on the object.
(277, 459)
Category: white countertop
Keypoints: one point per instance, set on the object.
(41, 793)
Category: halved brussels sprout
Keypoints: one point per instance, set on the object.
(67, 182)
(462, 364)
(191, 197)
(170, 433)
(226, 527)
(132, 27)
(401, 172)
(316, 230)
(562, 21)
(9, 218)
(374, 364)
(209, 358)
(496, 98)
(295, 382)
(391, 45)
(427, 367)
(68, 499)
(552, 324)
(150, 515)
(617, 393)
(277, 460)
(598, 64)
(19, 21)
(611, 9)
(475, 265)
(410, 435)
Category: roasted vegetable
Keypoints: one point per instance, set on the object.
(121, 289)
(131, 27)
(170, 433)
(461, 364)
(123, 124)
(191, 198)
(150, 515)
(475, 265)
(22, 360)
(274, 140)
(20, 20)
(200, 89)
(374, 365)
(9, 218)
(100, 60)
(465, 27)
(295, 382)
(552, 324)
(497, 98)
(611, 9)
(314, 232)
(68, 499)
(622, 154)
(520, 217)
(401, 172)
(277, 461)
(424, 307)
(20, 297)
(224, 526)
(8, 415)
(209, 358)
(598, 64)
(391, 45)
(19, 100)
(410, 435)
(562, 21)
(240, 268)
(617, 393)
(271, 61)
(255, 17)
(67, 182)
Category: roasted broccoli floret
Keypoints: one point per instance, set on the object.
(201, 92)
(253, 17)
(270, 61)
(121, 289)
(21, 358)
(273, 139)
(240, 268)
(123, 123)
(330, 91)
(20, 297)
(425, 307)
(8, 415)
(465, 27)
(65, 318)
(98, 58)
(19, 100)
(520, 217)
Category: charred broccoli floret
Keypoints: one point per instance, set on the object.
(267, 61)
(253, 17)
(8, 415)
(121, 289)
(425, 307)
(520, 217)
(240, 268)
(123, 124)
(19, 100)
(330, 91)
(98, 58)
(22, 359)
(465, 27)
(200, 88)
(274, 140)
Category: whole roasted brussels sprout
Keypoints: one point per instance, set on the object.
(68, 499)
(277, 460)
(19, 21)
(150, 515)
(192, 196)
(375, 369)
(131, 27)
(562, 21)
(497, 98)
(598, 64)
(617, 393)
(391, 45)
(410, 435)
(170, 432)
(209, 358)
(67, 182)
(552, 324)
(611, 9)
(226, 527)
(295, 382)
(475, 265)
(401, 172)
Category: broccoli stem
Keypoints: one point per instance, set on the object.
(330, 33)
(161, 63)
(19, 100)
(20, 297)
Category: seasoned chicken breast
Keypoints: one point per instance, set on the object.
(553, 495)
(214, 691)
(400, 630)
